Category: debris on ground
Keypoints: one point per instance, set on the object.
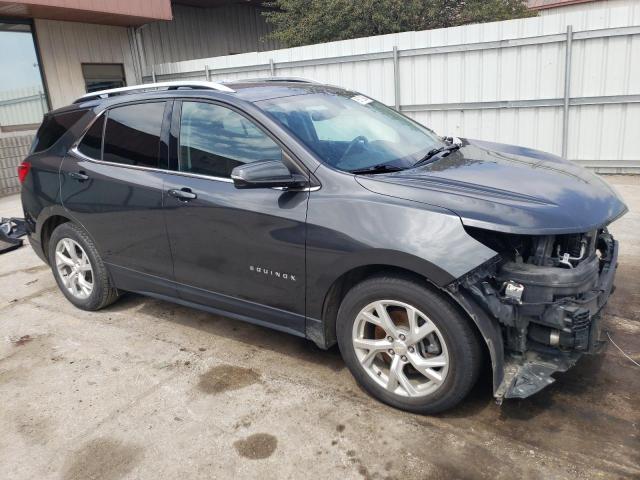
(11, 229)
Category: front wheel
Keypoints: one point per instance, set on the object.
(408, 345)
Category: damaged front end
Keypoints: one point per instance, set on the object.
(547, 294)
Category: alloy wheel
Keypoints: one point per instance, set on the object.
(400, 348)
(74, 268)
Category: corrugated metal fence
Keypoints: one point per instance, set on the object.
(22, 106)
(12, 151)
(566, 83)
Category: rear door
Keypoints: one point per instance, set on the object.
(112, 183)
(241, 251)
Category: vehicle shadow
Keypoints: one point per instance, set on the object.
(249, 334)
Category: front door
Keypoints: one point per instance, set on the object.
(241, 251)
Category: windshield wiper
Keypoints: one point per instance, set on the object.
(380, 168)
(432, 153)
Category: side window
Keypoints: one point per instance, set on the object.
(132, 134)
(214, 140)
(53, 127)
(91, 144)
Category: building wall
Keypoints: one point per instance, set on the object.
(13, 149)
(205, 32)
(64, 46)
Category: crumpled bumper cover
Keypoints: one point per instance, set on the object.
(526, 375)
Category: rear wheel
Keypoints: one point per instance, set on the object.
(407, 345)
(78, 268)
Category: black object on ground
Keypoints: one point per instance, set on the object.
(11, 229)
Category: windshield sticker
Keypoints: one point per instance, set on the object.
(361, 99)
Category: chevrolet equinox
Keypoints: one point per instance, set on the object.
(325, 214)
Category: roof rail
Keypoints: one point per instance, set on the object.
(152, 86)
(274, 79)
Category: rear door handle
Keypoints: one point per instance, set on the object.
(183, 194)
(80, 176)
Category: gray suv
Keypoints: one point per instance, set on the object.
(322, 213)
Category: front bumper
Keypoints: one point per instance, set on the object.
(557, 321)
(582, 321)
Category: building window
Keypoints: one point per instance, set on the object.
(23, 100)
(102, 76)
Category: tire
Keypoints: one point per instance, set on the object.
(454, 342)
(68, 236)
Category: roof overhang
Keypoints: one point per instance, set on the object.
(129, 13)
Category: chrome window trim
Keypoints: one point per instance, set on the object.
(201, 175)
(77, 153)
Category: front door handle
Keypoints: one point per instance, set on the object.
(184, 194)
(80, 176)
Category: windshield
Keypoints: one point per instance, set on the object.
(352, 132)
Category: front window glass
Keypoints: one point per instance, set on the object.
(214, 140)
(352, 132)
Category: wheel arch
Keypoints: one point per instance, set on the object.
(323, 332)
(48, 226)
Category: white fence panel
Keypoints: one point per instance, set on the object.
(22, 106)
(501, 81)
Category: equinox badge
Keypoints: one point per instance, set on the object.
(273, 273)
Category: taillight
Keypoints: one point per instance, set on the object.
(23, 171)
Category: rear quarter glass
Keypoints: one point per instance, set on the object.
(53, 127)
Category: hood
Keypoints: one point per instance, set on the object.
(508, 189)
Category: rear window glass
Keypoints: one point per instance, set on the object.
(53, 127)
(91, 144)
(132, 134)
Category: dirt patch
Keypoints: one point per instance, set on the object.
(223, 378)
(23, 340)
(256, 446)
(104, 459)
(36, 269)
(34, 428)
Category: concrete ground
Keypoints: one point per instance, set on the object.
(149, 390)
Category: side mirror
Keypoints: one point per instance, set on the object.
(267, 174)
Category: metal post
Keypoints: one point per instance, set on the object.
(153, 74)
(43, 102)
(396, 78)
(272, 67)
(567, 92)
(207, 73)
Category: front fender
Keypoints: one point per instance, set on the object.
(490, 331)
